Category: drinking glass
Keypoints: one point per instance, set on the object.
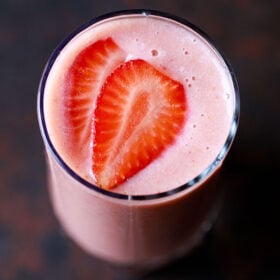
(133, 230)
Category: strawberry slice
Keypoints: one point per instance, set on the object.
(138, 114)
(82, 84)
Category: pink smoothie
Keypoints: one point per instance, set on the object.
(181, 54)
(152, 230)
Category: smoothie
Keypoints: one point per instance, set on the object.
(138, 111)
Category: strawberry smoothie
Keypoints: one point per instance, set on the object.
(138, 111)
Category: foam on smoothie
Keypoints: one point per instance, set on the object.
(184, 56)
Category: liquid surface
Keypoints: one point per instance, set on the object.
(179, 53)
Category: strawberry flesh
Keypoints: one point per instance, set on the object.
(83, 82)
(138, 114)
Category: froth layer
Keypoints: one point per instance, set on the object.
(183, 55)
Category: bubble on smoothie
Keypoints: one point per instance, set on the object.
(185, 51)
(130, 57)
(154, 52)
(193, 78)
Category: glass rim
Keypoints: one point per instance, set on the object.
(58, 158)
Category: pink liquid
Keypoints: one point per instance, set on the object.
(125, 230)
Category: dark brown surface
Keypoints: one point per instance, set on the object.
(244, 243)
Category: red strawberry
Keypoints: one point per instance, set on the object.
(138, 114)
(83, 82)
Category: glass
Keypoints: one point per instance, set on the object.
(133, 230)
